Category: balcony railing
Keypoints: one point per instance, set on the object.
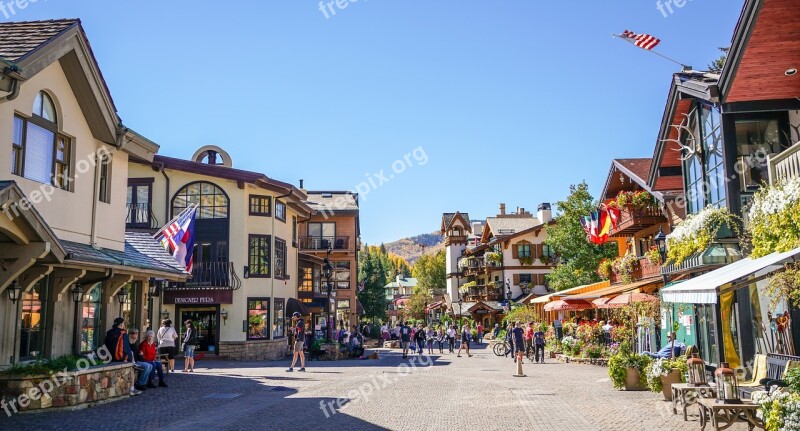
(324, 242)
(210, 275)
(785, 165)
(644, 269)
(632, 220)
(140, 216)
(487, 293)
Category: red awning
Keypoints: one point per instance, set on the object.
(629, 298)
(601, 302)
(567, 305)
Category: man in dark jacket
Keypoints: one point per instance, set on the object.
(119, 345)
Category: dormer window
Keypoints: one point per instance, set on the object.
(38, 151)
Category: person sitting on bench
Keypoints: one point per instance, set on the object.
(664, 353)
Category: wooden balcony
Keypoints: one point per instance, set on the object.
(632, 220)
(483, 293)
(785, 165)
(322, 243)
(644, 269)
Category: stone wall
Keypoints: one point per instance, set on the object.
(75, 389)
(261, 350)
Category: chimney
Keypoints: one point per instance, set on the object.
(522, 211)
(545, 213)
(301, 183)
(502, 209)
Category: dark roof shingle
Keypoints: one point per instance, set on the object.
(18, 39)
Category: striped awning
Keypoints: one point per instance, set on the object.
(706, 288)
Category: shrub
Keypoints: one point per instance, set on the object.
(44, 366)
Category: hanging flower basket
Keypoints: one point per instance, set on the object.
(695, 233)
(774, 218)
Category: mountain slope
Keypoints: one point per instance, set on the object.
(412, 248)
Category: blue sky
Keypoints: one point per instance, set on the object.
(510, 101)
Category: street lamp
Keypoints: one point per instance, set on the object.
(77, 294)
(328, 272)
(661, 242)
(14, 292)
(122, 298)
(460, 315)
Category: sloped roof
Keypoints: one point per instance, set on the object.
(18, 39)
(448, 218)
(143, 243)
(333, 201)
(141, 252)
(404, 282)
(510, 225)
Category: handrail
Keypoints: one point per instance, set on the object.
(785, 164)
(324, 242)
(210, 275)
(141, 216)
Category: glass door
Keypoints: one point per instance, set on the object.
(205, 322)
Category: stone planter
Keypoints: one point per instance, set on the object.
(632, 380)
(70, 390)
(674, 377)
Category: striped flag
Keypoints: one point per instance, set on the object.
(362, 285)
(644, 41)
(177, 237)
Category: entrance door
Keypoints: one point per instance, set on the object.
(205, 322)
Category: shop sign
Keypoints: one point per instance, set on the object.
(198, 297)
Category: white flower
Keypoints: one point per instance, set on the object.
(773, 199)
(694, 223)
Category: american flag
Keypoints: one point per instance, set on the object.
(177, 237)
(644, 41)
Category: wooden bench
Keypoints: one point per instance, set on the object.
(777, 364)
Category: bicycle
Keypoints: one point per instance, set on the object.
(501, 348)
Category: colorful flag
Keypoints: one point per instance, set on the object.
(644, 41)
(177, 237)
(362, 285)
(613, 214)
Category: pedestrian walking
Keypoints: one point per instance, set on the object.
(519, 341)
(167, 338)
(496, 330)
(405, 338)
(529, 337)
(430, 336)
(421, 338)
(189, 341)
(441, 336)
(538, 338)
(480, 333)
(298, 330)
(510, 339)
(451, 338)
(465, 334)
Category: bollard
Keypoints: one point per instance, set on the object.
(519, 366)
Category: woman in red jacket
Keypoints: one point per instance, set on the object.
(148, 349)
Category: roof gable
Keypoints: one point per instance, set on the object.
(448, 219)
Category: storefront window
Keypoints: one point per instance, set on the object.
(693, 172)
(343, 313)
(342, 275)
(707, 333)
(258, 318)
(91, 331)
(33, 325)
(278, 324)
(754, 140)
(130, 306)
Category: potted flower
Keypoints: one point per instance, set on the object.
(605, 268)
(526, 260)
(545, 259)
(494, 258)
(570, 344)
(625, 266)
(780, 409)
(627, 370)
(663, 373)
(653, 255)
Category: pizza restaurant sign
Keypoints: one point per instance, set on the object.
(198, 297)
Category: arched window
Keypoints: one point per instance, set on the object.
(212, 200)
(44, 107)
(38, 151)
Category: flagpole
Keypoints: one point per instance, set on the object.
(625, 39)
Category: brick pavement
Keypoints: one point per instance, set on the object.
(453, 393)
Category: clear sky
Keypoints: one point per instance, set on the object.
(504, 101)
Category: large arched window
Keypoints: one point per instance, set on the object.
(212, 200)
(38, 151)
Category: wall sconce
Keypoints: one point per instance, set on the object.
(165, 314)
(77, 294)
(224, 314)
(14, 291)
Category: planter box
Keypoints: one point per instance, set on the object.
(70, 390)
(674, 377)
(632, 380)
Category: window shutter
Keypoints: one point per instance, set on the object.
(516, 279)
(515, 251)
(39, 154)
(539, 279)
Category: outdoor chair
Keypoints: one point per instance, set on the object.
(339, 244)
(776, 367)
(759, 372)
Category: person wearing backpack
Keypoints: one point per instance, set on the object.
(420, 338)
(189, 341)
(118, 344)
(167, 336)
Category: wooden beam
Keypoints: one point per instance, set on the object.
(26, 257)
(32, 275)
(64, 279)
(115, 284)
(13, 251)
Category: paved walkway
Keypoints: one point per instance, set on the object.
(389, 393)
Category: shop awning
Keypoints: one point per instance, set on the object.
(575, 290)
(568, 305)
(616, 289)
(706, 288)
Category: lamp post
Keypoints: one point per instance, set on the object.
(460, 316)
(122, 298)
(77, 298)
(14, 292)
(328, 272)
(661, 242)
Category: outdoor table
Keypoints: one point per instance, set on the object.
(723, 416)
(686, 395)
